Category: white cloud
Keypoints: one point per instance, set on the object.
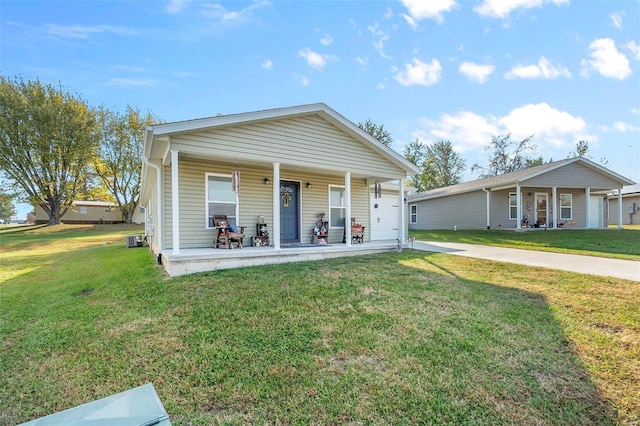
(85, 32)
(314, 59)
(379, 39)
(361, 60)
(468, 131)
(616, 18)
(621, 127)
(420, 73)
(548, 124)
(266, 64)
(476, 72)
(430, 9)
(218, 12)
(634, 49)
(544, 69)
(302, 80)
(635, 111)
(132, 82)
(502, 8)
(606, 60)
(388, 14)
(326, 40)
(175, 6)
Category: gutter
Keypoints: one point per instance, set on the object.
(159, 192)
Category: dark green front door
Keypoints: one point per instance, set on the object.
(289, 211)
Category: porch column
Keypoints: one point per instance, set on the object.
(488, 192)
(587, 192)
(554, 205)
(401, 212)
(347, 205)
(619, 208)
(518, 207)
(175, 202)
(276, 206)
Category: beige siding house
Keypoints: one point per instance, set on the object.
(285, 167)
(560, 194)
(630, 206)
(90, 212)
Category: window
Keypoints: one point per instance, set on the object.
(413, 213)
(566, 206)
(221, 199)
(337, 208)
(513, 206)
(107, 210)
(83, 210)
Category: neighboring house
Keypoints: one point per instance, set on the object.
(630, 206)
(285, 165)
(566, 193)
(88, 212)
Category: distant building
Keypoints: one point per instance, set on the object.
(88, 212)
(630, 206)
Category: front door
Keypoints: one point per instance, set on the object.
(289, 211)
(384, 217)
(542, 211)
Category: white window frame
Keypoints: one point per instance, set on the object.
(343, 207)
(413, 215)
(207, 201)
(83, 210)
(570, 207)
(514, 194)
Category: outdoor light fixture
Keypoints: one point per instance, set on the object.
(266, 181)
(308, 185)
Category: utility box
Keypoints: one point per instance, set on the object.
(134, 241)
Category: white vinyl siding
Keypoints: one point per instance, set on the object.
(566, 206)
(221, 199)
(413, 214)
(337, 207)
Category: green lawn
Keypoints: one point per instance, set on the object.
(398, 338)
(614, 243)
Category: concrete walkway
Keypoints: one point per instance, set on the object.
(625, 269)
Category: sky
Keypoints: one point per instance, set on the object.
(454, 70)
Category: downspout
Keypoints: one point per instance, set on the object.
(158, 189)
(488, 207)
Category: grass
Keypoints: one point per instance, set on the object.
(399, 338)
(619, 244)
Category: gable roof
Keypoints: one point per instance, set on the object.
(514, 178)
(320, 109)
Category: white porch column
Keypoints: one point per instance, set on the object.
(276, 206)
(347, 205)
(401, 212)
(588, 210)
(619, 208)
(518, 207)
(175, 202)
(554, 205)
(488, 192)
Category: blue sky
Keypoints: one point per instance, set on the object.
(461, 71)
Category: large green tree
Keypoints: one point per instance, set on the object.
(47, 140)
(119, 162)
(416, 152)
(7, 208)
(377, 131)
(443, 166)
(506, 155)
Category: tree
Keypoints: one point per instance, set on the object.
(442, 166)
(582, 147)
(7, 209)
(47, 139)
(416, 152)
(377, 131)
(119, 162)
(507, 156)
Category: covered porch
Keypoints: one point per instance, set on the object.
(189, 261)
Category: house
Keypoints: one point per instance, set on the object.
(295, 169)
(630, 206)
(90, 212)
(566, 193)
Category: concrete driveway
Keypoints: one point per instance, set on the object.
(625, 269)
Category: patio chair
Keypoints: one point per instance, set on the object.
(357, 232)
(227, 236)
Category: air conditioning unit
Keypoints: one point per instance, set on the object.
(134, 241)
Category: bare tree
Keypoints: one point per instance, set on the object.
(507, 156)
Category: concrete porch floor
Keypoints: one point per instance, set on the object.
(190, 261)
